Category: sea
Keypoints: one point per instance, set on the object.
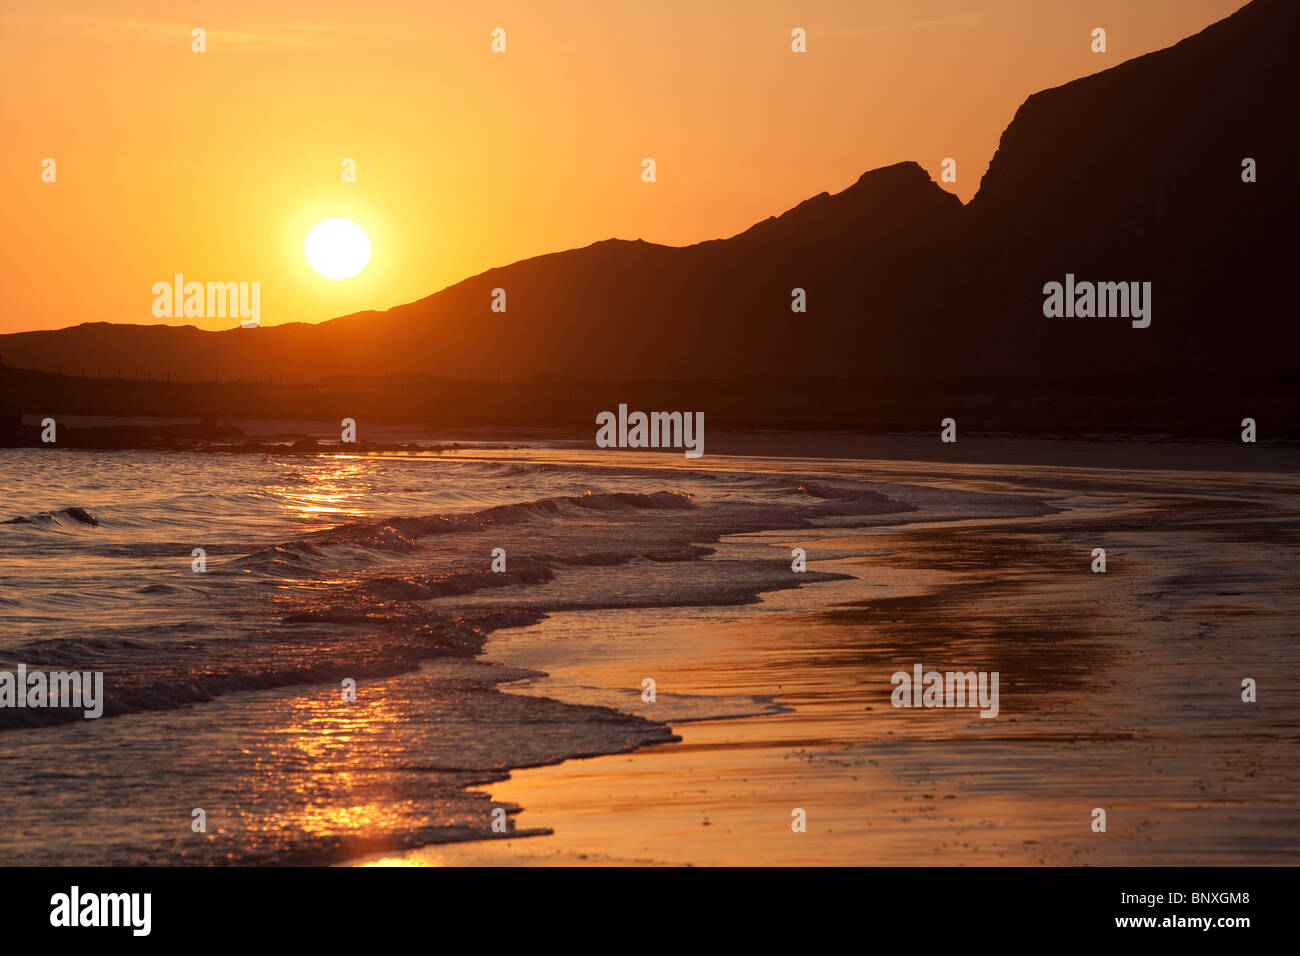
(290, 644)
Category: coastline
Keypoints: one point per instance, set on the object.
(896, 447)
(1100, 673)
(1128, 677)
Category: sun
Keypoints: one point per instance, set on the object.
(337, 248)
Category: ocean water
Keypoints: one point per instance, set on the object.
(224, 688)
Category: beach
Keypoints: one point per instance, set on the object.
(1121, 691)
(390, 657)
(752, 437)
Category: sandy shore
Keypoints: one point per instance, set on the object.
(1119, 691)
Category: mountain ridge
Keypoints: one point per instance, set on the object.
(1131, 173)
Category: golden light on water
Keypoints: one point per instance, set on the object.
(321, 504)
(335, 489)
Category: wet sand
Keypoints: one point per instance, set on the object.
(1119, 691)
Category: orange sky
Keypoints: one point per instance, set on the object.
(217, 164)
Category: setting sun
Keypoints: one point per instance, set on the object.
(337, 248)
(744, 436)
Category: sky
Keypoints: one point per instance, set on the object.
(217, 164)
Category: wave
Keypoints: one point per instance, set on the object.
(140, 676)
(66, 517)
(419, 587)
(363, 603)
(398, 535)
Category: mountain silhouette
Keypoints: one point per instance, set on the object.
(1133, 174)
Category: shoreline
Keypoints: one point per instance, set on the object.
(1117, 678)
(1033, 448)
(882, 786)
